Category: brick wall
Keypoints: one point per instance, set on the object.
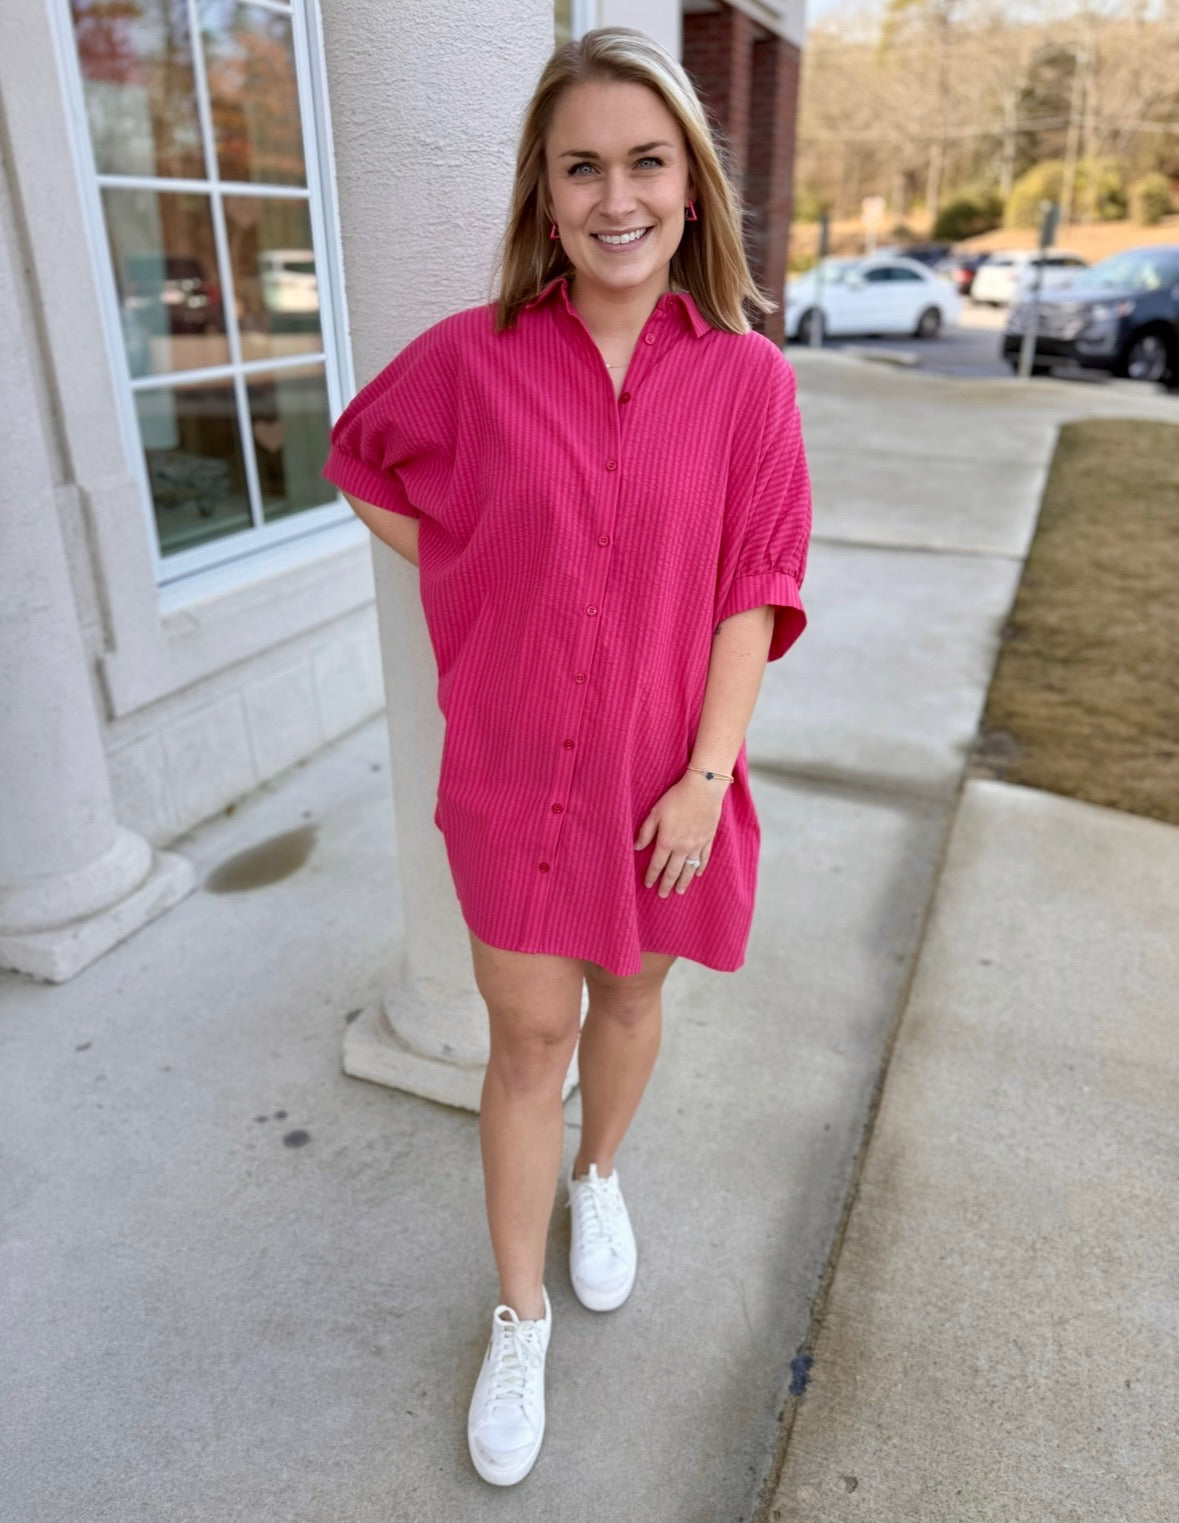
(747, 78)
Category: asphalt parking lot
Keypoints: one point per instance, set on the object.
(971, 349)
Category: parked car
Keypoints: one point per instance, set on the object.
(869, 296)
(171, 294)
(1121, 315)
(960, 270)
(1009, 273)
(289, 283)
(924, 253)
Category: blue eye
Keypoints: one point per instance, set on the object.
(650, 159)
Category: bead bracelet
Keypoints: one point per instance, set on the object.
(720, 777)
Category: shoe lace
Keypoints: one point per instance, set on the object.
(515, 1360)
(598, 1204)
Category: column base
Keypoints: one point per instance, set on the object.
(373, 1051)
(57, 955)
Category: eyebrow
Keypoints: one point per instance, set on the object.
(588, 153)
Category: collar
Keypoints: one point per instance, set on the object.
(677, 301)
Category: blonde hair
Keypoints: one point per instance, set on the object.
(710, 262)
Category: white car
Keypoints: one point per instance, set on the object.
(289, 283)
(1008, 275)
(869, 296)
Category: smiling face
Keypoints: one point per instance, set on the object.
(618, 182)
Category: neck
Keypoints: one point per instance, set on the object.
(616, 316)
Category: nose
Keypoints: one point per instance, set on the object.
(617, 196)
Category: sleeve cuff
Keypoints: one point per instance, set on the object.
(352, 475)
(776, 590)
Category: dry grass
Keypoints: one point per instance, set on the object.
(1085, 698)
(1092, 240)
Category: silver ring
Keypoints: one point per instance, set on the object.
(691, 861)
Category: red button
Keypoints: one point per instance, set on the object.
(591, 611)
(625, 397)
(558, 809)
(568, 744)
(650, 339)
(544, 867)
(611, 465)
(580, 677)
(603, 540)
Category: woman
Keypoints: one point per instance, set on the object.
(601, 478)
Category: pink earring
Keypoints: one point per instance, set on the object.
(553, 232)
(690, 212)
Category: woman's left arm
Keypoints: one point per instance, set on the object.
(684, 821)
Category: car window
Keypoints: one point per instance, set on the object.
(878, 275)
(1135, 270)
(837, 271)
(900, 273)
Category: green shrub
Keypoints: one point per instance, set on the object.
(1042, 182)
(809, 205)
(1150, 199)
(968, 214)
(1099, 189)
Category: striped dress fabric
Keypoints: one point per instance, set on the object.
(578, 552)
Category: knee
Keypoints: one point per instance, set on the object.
(631, 1003)
(530, 1054)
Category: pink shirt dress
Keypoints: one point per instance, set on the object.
(577, 554)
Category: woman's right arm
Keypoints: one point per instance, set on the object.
(397, 530)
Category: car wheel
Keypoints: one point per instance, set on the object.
(811, 327)
(929, 324)
(1148, 358)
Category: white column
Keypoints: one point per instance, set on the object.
(72, 881)
(658, 18)
(426, 102)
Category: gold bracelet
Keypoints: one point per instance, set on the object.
(720, 777)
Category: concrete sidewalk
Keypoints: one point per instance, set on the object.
(237, 1285)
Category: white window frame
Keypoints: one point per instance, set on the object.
(237, 558)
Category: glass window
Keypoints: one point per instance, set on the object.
(193, 448)
(164, 256)
(197, 128)
(290, 422)
(250, 58)
(137, 79)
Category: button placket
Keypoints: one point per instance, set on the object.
(591, 611)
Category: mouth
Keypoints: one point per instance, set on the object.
(623, 240)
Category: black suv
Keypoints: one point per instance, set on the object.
(1121, 315)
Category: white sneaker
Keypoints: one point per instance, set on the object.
(505, 1423)
(603, 1254)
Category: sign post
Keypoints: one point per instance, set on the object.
(815, 334)
(1049, 216)
(871, 215)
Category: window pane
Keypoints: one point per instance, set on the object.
(250, 60)
(194, 462)
(274, 278)
(140, 98)
(290, 421)
(166, 272)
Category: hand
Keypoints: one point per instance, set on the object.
(682, 824)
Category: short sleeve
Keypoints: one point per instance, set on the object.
(393, 445)
(768, 516)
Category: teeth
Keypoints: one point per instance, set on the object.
(621, 237)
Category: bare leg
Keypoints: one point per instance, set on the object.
(619, 1045)
(534, 1006)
